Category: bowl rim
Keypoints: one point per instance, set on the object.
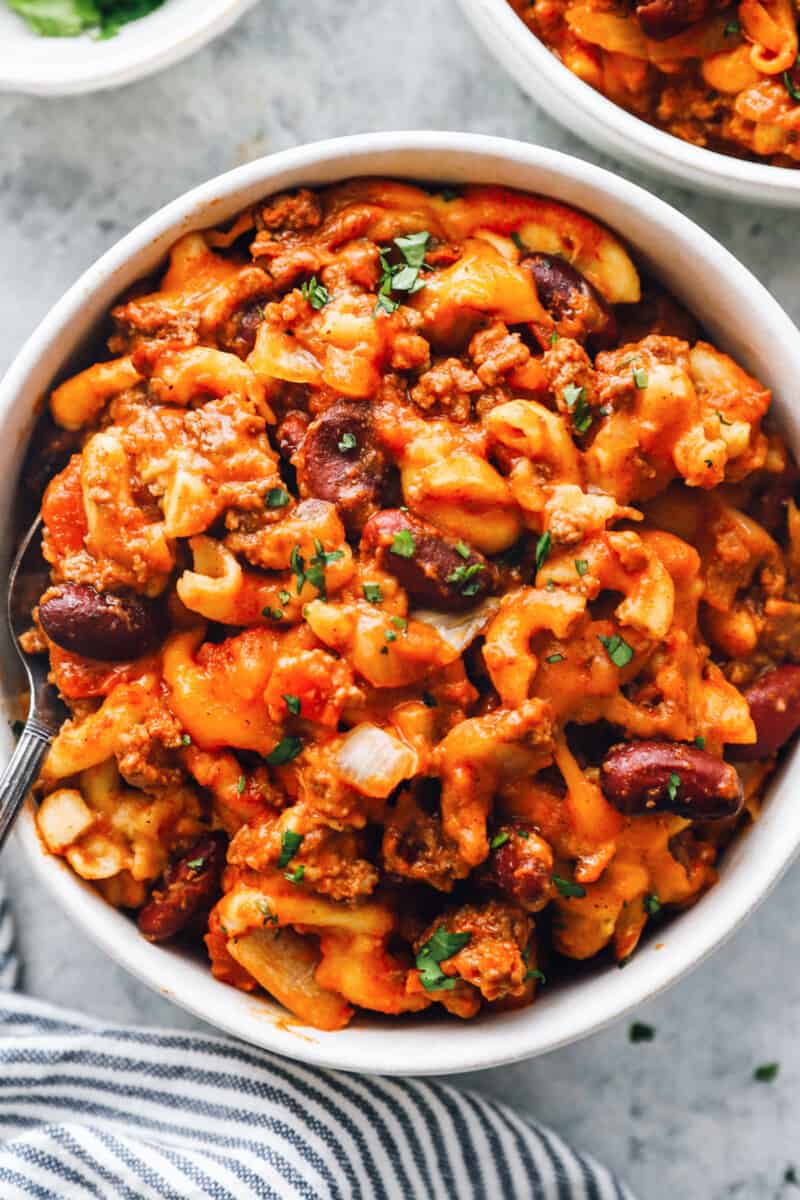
(34, 76)
(429, 1047)
(540, 73)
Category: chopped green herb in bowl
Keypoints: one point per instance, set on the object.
(69, 18)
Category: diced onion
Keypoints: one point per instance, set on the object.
(459, 630)
(374, 761)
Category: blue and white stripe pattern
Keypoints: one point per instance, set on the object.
(89, 1109)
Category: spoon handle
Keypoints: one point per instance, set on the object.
(20, 774)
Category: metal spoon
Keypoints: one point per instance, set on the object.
(29, 578)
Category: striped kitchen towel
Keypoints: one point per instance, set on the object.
(89, 1109)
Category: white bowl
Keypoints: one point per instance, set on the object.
(585, 111)
(62, 66)
(740, 316)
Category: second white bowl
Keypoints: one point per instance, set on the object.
(585, 111)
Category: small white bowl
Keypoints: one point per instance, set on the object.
(740, 316)
(585, 111)
(62, 66)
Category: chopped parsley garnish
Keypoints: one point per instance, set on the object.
(241, 784)
(412, 246)
(187, 739)
(401, 277)
(617, 650)
(789, 84)
(553, 338)
(270, 918)
(573, 394)
(767, 1072)
(582, 416)
(390, 635)
(543, 549)
(551, 585)
(440, 946)
(652, 904)
(277, 497)
(284, 597)
(315, 571)
(518, 242)
(196, 864)
(464, 576)
(639, 1032)
(273, 614)
(578, 405)
(673, 784)
(700, 742)
(568, 888)
(68, 18)
(399, 622)
(462, 549)
(499, 840)
(384, 303)
(286, 749)
(406, 280)
(731, 28)
(723, 420)
(315, 293)
(554, 658)
(295, 876)
(298, 565)
(581, 566)
(535, 973)
(403, 543)
(292, 703)
(347, 442)
(290, 844)
(640, 377)
(428, 700)
(449, 194)
(373, 593)
(576, 401)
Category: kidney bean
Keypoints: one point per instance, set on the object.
(662, 19)
(434, 574)
(521, 866)
(642, 777)
(774, 701)
(188, 891)
(341, 462)
(575, 305)
(100, 625)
